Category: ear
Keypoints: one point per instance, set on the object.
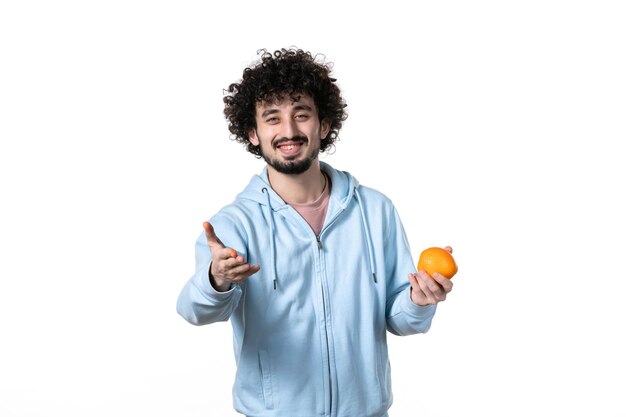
(324, 129)
(252, 136)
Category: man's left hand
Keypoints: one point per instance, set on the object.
(427, 290)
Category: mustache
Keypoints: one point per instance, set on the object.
(299, 138)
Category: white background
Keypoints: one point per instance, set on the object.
(494, 126)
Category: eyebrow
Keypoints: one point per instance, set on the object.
(303, 107)
(297, 107)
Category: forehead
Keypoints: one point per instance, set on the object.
(294, 101)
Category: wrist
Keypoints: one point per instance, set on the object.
(218, 284)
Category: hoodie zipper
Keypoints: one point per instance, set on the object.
(320, 248)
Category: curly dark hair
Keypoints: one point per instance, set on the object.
(286, 72)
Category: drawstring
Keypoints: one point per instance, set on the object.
(367, 235)
(272, 243)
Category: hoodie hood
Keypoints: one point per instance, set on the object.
(343, 189)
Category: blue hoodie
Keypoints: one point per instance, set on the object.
(309, 328)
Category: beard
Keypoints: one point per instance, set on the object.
(293, 167)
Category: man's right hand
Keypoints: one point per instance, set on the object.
(227, 267)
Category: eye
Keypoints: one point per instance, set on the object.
(272, 120)
(302, 116)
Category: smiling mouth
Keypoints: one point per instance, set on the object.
(296, 141)
(290, 146)
(289, 149)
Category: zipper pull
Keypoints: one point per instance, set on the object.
(319, 243)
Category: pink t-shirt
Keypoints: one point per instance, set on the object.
(315, 213)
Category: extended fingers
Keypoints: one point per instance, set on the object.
(226, 259)
(232, 267)
(225, 254)
(240, 272)
(239, 269)
(247, 270)
(211, 238)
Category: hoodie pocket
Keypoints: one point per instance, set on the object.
(266, 379)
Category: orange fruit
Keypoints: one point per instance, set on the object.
(437, 260)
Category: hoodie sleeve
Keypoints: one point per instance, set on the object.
(199, 303)
(403, 316)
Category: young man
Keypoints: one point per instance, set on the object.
(310, 267)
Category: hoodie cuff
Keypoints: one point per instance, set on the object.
(211, 293)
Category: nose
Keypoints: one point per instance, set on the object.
(289, 129)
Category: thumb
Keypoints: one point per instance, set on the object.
(211, 237)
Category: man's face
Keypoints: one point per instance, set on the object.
(289, 133)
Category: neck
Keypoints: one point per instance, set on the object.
(301, 188)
